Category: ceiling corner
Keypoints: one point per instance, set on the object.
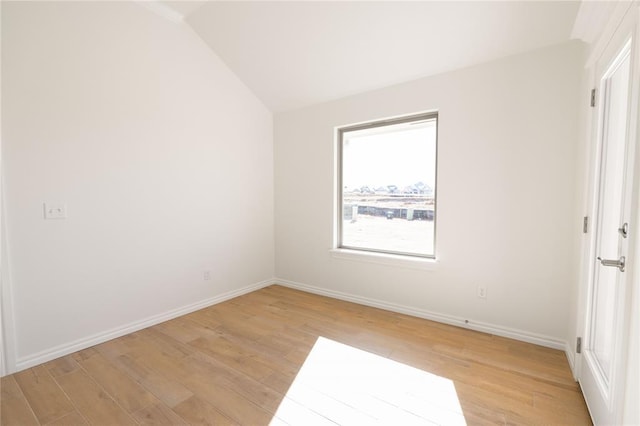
(591, 19)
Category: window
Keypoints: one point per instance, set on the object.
(387, 186)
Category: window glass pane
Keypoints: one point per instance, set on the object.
(389, 187)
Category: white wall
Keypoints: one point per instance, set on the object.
(164, 158)
(506, 193)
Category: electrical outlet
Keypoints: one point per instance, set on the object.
(206, 275)
(482, 292)
(55, 211)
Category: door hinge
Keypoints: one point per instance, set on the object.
(585, 224)
(593, 97)
(579, 345)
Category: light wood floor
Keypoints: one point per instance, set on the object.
(235, 362)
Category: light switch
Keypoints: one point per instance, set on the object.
(55, 211)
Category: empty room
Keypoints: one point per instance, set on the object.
(320, 212)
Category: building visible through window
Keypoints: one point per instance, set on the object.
(387, 176)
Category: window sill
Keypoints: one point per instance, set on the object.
(385, 259)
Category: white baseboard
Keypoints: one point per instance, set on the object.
(86, 342)
(497, 330)
(77, 345)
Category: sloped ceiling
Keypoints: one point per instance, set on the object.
(293, 54)
(181, 9)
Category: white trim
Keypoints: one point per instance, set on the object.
(569, 351)
(77, 345)
(591, 20)
(6, 292)
(385, 259)
(616, 16)
(494, 329)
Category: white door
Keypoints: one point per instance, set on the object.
(602, 375)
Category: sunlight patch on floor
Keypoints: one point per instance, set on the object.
(340, 384)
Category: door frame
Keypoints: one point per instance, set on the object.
(626, 28)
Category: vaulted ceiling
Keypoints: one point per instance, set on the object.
(293, 54)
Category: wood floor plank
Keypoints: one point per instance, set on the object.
(158, 414)
(329, 407)
(279, 382)
(147, 354)
(169, 391)
(212, 372)
(185, 330)
(14, 408)
(247, 361)
(232, 355)
(116, 347)
(273, 358)
(84, 354)
(165, 343)
(72, 419)
(125, 390)
(198, 412)
(232, 405)
(92, 401)
(45, 397)
(61, 366)
(565, 408)
(293, 413)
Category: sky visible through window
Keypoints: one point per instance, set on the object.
(400, 155)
